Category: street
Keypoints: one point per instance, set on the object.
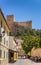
(24, 62)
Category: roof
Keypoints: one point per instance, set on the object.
(3, 18)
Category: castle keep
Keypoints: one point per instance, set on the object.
(13, 24)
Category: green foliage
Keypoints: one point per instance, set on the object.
(40, 43)
(31, 37)
(30, 42)
(24, 31)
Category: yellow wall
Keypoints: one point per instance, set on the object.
(15, 56)
(4, 22)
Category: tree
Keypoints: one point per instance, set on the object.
(27, 46)
(30, 42)
(40, 43)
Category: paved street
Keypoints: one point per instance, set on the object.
(24, 62)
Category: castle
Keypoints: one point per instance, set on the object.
(13, 25)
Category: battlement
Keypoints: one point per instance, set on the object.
(10, 18)
(26, 24)
(13, 24)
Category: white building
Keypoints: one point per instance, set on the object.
(19, 46)
(12, 50)
(12, 44)
(4, 40)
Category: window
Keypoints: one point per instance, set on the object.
(7, 43)
(7, 32)
(0, 30)
(17, 43)
(4, 40)
(0, 53)
(0, 27)
(1, 23)
(4, 32)
(0, 38)
(4, 54)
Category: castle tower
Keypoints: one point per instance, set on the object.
(10, 20)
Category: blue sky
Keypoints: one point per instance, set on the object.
(23, 10)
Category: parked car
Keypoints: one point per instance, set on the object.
(37, 59)
(27, 56)
(32, 58)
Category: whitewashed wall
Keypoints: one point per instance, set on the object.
(12, 44)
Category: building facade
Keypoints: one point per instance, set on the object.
(4, 40)
(13, 54)
(19, 47)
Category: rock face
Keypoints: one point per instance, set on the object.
(13, 25)
(36, 52)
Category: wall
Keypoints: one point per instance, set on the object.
(13, 24)
(25, 24)
(4, 47)
(12, 44)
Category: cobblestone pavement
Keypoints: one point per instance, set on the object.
(24, 62)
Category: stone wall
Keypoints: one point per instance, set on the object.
(26, 24)
(13, 24)
(36, 52)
